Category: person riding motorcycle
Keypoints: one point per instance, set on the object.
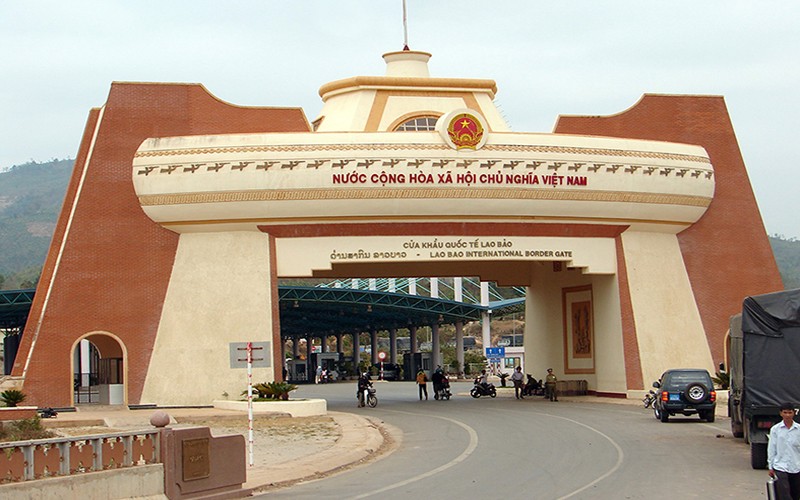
(363, 384)
(438, 380)
(483, 380)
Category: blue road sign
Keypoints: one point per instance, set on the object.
(495, 352)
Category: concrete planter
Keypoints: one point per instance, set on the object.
(294, 407)
(17, 412)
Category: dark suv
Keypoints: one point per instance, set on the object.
(685, 391)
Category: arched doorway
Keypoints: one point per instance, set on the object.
(98, 367)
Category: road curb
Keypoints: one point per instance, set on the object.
(362, 439)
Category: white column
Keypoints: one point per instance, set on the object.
(486, 330)
(85, 367)
(458, 286)
(485, 318)
(220, 291)
(412, 286)
(460, 344)
(435, 288)
(392, 285)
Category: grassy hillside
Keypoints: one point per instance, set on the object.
(30, 201)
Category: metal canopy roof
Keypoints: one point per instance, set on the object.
(14, 308)
(313, 311)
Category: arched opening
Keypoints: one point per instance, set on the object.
(98, 361)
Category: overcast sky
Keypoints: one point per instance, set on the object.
(58, 59)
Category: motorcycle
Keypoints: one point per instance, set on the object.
(533, 387)
(479, 390)
(368, 394)
(649, 399)
(47, 412)
(442, 391)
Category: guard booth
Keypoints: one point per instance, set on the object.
(297, 371)
(330, 361)
(413, 362)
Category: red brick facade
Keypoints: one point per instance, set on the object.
(113, 272)
(109, 265)
(727, 252)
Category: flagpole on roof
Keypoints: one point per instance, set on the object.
(405, 27)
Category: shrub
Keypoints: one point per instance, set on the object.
(24, 430)
(12, 397)
(272, 390)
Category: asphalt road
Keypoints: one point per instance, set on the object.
(506, 448)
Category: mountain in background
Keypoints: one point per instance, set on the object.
(30, 201)
(31, 196)
(787, 255)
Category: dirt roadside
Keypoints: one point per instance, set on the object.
(286, 449)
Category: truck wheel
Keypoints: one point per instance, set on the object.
(664, 416)
(758, 455)
(696, 392)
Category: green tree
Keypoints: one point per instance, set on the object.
(473, 357)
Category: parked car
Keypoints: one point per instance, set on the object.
(686, 391)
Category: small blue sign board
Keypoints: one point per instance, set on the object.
(495, 352)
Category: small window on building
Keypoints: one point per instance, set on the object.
(420, 124)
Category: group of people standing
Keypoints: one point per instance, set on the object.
(517, 378)
(550, 391)
(438, 378)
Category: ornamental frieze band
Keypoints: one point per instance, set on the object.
(423, 193)
(516, 148)
(415, 163)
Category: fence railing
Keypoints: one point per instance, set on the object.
(36, 459)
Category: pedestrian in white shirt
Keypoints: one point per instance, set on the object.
(783, 455)
(517, 377)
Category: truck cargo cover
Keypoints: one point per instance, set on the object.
(771, 329)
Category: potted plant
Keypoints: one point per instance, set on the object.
(12, 397)
(722, 379)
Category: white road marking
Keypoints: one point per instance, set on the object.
(473, 444)
(620, 456)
